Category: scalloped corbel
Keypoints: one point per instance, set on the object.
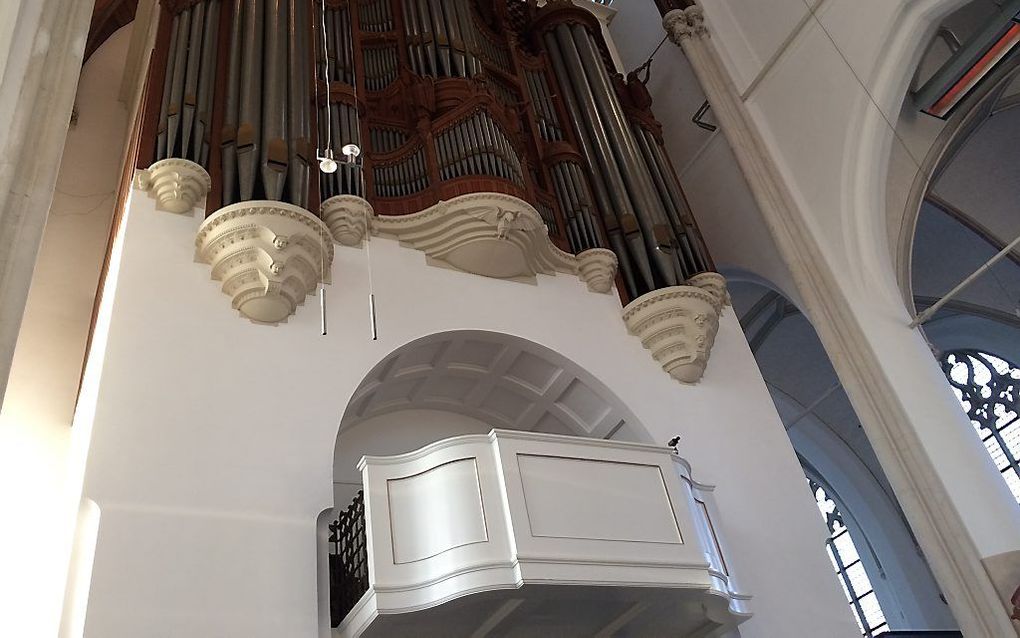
(348, 218)
(177, 184)
(678, 324)
(596, 267)
(269, 256)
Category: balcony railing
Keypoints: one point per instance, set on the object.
(498, 518)
(348, 560)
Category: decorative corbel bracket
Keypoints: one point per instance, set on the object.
(269, 256)
(178, 185)
(348, 218)
(596, 267)
(678, 324)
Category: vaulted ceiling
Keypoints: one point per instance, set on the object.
(498, 379)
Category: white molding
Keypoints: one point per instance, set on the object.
(177, 185)
(487, 234)
(269, 256)
(678, 324)
(940, 530)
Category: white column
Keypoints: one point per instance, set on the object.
(964, 519)
(41, 48)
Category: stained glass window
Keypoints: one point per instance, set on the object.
(988, 388)
(846, 560)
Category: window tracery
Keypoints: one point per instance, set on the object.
(846, 560)
(988, 388)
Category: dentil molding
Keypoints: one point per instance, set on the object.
(269, 256)
(678, 324)
(488, 234)
(348, 218)
(177, 184)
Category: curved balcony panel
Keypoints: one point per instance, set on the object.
(540, 531)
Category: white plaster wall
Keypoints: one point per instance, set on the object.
(212, 452)
(36, 476)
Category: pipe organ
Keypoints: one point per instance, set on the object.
(443, 98)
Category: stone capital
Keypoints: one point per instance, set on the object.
(681, 24)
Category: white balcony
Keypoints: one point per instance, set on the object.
(524, 534)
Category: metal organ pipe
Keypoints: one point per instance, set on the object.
(456, 41)
(469, 34)
(230, 116)
(168, 78)
(650, 214)
(250, 109)
(587, 151)
(203, 125)
(183, 129)
(265, 137)
(190, 97)
(618, 190)
(299, 123)
(342, 117)
(413, 37)
(177, 83)
(595, 237)
(698, 250)
(589, 125)
(681, 263)
(274, 119)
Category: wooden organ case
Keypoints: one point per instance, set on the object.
(443, 98)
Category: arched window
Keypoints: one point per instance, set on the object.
(846, 560)
(988, 388)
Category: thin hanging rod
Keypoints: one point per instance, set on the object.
(935, 307)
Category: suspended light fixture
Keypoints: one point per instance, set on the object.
(351, 152)
(327, 164)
